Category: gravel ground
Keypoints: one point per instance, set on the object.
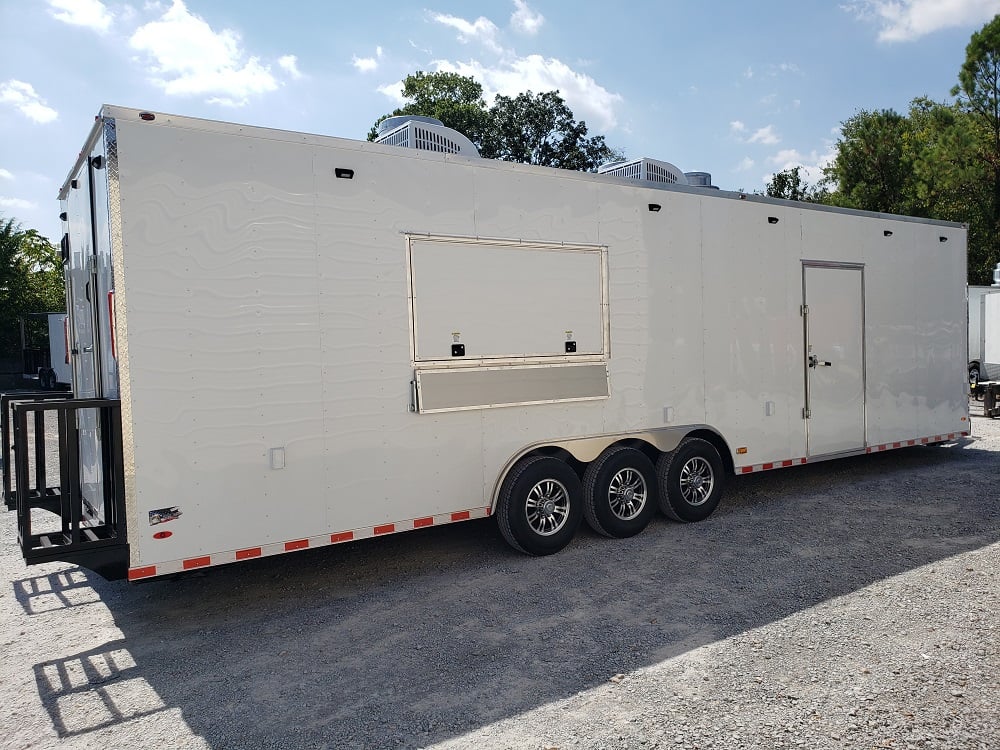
(849, 604)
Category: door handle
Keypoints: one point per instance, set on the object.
(814, 362)
(88, 348)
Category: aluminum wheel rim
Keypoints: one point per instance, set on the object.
(627, 494)
(697, 481)
(547, 507)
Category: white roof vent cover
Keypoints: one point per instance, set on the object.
(425, 133)
(650, 170)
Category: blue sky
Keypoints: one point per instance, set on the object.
(738, 89)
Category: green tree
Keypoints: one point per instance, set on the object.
(540, 129)
(789, 185)
(872, 168)
(455, 100)
(31, 280)
(528, 128)
(978, 94)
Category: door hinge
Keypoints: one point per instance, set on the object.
(92, 263)
(413, 395)
(803, 310)
(806, 413)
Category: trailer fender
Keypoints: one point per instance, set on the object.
(579, 452)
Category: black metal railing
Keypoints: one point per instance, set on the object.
(7, 439)
(89, 531)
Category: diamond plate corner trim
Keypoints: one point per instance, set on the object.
(121, 325)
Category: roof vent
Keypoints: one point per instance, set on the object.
(649, 170)
(425, 133)
(701, 179)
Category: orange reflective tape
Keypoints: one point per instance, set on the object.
(297, 544)
(385, 529)
(137, 573)
(197, 562)
(462, 515)
(422, 522)
(246, 554)
(343, 536)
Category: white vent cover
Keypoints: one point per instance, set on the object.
(650, 170)
(424, 133)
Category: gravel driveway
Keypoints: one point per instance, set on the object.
(849, 604)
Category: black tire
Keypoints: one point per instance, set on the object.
(540, 505)
(619, 492)
(974, 376)
(691, 479)
(47, 380)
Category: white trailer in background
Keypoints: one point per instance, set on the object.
(45, 349)
(313, 340)
(984, 333)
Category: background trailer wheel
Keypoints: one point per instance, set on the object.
(619, 492)
(540, 505)
(691, 479)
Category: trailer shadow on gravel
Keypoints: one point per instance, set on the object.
(423, 637)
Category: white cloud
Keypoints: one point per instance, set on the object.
(765, 135)
(367, 64)
(748, 73)
(588, 99)
(482, 30)
(906, 20)
(23, 97)
(786, 68)
(394, 91)
(810, 165)
(525, 20)
(736, 127)
(18, 204)
(91, 14)
(6, 174)
(745, 165)
(290, 64)
(188, 58)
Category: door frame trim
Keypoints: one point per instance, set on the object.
(806, 264)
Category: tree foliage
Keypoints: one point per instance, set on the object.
(978, 95)
(791, 186)
(872, 168)
(540, 129)
(455, 100)
(31, 280)
(527, 128)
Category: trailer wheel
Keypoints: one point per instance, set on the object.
(619, 492)
(47, 380)
(974, 376)
(691, 480)
(540, 506)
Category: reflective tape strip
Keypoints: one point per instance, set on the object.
(134, 574)
(221, 558)
(870, 449)
(772, 465)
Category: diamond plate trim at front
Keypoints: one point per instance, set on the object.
(120, 319)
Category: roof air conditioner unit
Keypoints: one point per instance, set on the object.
(650, 170)
(425, 133)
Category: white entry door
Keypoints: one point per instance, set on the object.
(835, 358)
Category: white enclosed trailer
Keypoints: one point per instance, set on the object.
(45, 349)
(984, 333)
(285, 341)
